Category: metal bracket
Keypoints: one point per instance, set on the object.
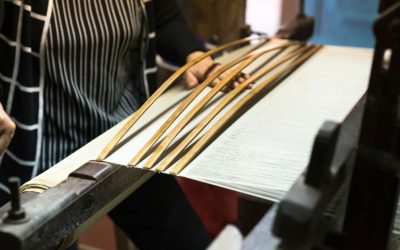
(299, 220)
(56, 214)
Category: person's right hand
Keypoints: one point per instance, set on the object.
(203, 69)
(7, 129)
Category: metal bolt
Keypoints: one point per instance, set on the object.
(16, 213)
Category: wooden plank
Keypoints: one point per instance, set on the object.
(209, 135)
(110, 146)
(145, 149)
(216, 21)
(223, 103)
(185, 120)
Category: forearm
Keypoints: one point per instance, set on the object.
(174, 39)
(7, 129)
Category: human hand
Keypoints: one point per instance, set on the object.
(206, 67)
(7, 129)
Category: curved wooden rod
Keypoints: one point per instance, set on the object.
(222, 104)
(115, 140)
(145, 149)
(186, 119)
(206, 138)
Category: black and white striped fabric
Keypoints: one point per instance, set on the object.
(92, 63)
(70, 69)
(22, 71)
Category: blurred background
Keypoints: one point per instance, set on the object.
(340, 22)
(337, 22)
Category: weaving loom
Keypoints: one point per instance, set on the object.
(253, 140)
(336, 92)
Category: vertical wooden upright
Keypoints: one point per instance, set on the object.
(220, 21)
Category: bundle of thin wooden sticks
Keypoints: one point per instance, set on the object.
(274, 68)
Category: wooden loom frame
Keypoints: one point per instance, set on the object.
(135, 117)
(206, 99)
(246, 60)
(207, 137)
(236, 66)
(225, 101)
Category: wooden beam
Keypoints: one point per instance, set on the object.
(135, 117)
(209, 135)
(182, 107)
(186, 119)
(223, 103)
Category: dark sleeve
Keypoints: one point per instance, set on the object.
(1, 12)
(174, 39)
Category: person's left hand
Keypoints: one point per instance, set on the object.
(206, 67)
(7, 129)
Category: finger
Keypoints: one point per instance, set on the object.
(214, 83)
(224, 75)
(6, 135)
(5, 140)
(218, 79)
(202, 74)
(226, 88)
(241, 79)
(7, 125)
(212, 69)
(191, 80)
(235, 84)
(245, 75)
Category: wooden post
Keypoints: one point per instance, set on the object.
(216, 21)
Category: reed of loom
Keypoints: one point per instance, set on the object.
(158, 152)
(210, 134)
(135, 117)
(245, 60)
(223, 103)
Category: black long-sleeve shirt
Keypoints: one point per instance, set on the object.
(76, 72)
(174, 39)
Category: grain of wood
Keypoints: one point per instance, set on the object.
(155, 156)
(222, 104)
(182, 107)
(209, 135)
(135, 117)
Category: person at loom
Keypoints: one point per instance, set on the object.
(70, 70)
